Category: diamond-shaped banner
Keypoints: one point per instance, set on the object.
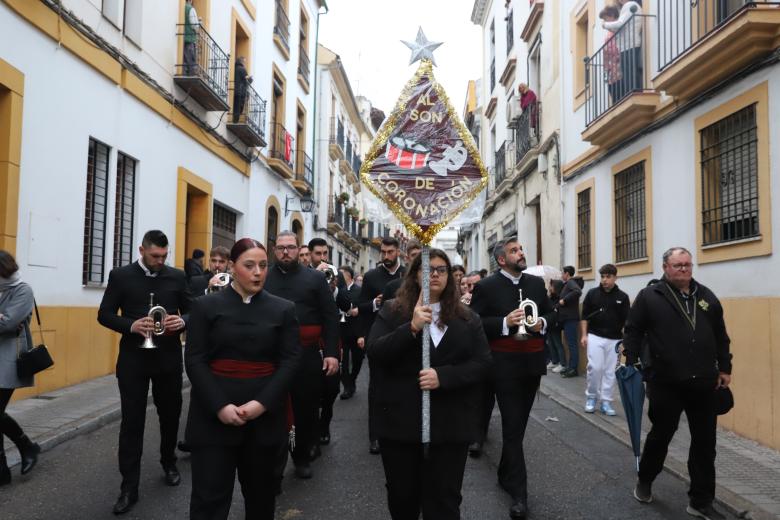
(423, 162)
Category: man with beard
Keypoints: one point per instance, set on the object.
(370, 301)
(518, 363)
(304, 255)
(129, 290)
(218, 261)
(413, 250)
(318, 319)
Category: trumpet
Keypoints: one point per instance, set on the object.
(223, 280)
(330, 273)
(158, 315)
(530, 319)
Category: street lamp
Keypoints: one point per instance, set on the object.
(306, 204)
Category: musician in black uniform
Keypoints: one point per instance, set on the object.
(371, 298)
(128, 290)
(460, 359)
(518, 364)
(413, 250)
(241, 357)
(218, 262)
(351, 353)
(319, 321)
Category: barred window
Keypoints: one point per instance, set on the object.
(224, 227)
(124, 209)
(583, 229)
(509, 228)
(491, 243)
(272, 228)
(630, 212)
(92, 272)
(729, 170)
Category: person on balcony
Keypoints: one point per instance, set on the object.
(628, 34)
(241, 82)
(191, 25)
(528, 102)
(612, 72)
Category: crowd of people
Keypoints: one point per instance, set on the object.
(274, 336)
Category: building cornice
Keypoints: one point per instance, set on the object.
(479, 11)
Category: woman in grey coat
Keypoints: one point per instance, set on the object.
(16, 305)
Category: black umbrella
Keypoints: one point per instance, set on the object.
(632, 393)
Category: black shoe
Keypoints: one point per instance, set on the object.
(569, 373)
(373, 448)
(347, 394)
(314, 452)
(172, 476)
(125, 502)
(643, 492)
(5, 473)
(706, 512)
(303, 471)
(475, 449)
(29, 451)
(325, 439)
(518, 509)
(183, 446)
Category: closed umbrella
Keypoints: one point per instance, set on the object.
(547, 272)
(632, 394)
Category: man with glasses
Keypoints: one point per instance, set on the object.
(519, 362)
(318, 317)
(370, 301)
(682, 322)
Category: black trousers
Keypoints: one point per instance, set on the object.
(8, 426)
(239, 99)
(330, 391)
(515, 397)
(133, 391)
(667, 402)
(488, 402)
(416, 484)
(213, 474)
(305, 394)
(351, 361)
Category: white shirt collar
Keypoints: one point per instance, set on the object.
(146, 270)
(515, 279)
(437, 329)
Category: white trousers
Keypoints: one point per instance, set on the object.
(602, 359)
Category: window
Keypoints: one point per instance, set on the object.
(113, 11)
(492, 56)
(510, 32)
(583, 18)
(95, 214)
(133, 20)
(729, 178)
(630, 222)
(272, 223)
(124, 209)
(223, 227)
(584, 230)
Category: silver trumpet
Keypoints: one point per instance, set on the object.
(158, 315)
(223, 280)
(530, 319)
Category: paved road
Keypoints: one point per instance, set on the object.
(577, 472)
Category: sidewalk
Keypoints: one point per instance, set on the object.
(748, 474)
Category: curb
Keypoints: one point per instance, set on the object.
(724, 497)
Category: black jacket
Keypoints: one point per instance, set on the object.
(496, 296)
(351, 325)
(224, 327)
(128, 292)
(677, 350)
(374, 282)
(606, 312)
(570, 294)
(461, 360)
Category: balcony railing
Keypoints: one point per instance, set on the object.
(247, 120)
(303, 168)
(616, 70)
(492, 75)
(283, 144)
(204, 69)
(682, 24)
(303, 65)
(500, 164)
(348, 153)
(510, 31)
(282, 25)
(356, 165)
(527, 131)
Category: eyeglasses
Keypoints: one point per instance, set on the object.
(682, 267)
(282, 249)
(441, 270)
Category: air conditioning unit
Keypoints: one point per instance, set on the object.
(513, 112)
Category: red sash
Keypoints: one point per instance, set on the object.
(510, 344)
(310, 335)
(241, 369)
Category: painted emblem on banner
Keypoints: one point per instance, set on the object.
(423, 162)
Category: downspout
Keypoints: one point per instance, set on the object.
(315, 149)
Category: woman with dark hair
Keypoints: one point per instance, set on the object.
(242, 352)
(460, 359)
(16, 305)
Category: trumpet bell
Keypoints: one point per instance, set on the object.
(223, 280)
(148, 343)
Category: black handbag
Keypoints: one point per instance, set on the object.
(36, 359)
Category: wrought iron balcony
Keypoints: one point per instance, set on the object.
(281, 157)
(248, 121)
(336, 147)
(304, 174)
(282, 27)
(492, 75)
(204, 68)
(303, 66)
(336, 216)
(500, 164)
(527, 131)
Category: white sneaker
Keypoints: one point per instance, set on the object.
(551, 365)
(590, 405)
(606, 409)
(559, 369)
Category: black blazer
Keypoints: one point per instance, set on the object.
(496, 296)
(224, 327)
(128, 291)
(351, 325)
(462, 360)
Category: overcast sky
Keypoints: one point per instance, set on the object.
(366, 35)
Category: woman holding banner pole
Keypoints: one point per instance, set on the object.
(459, 359)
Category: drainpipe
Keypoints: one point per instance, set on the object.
(314, 112)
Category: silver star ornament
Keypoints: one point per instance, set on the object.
(421, 48)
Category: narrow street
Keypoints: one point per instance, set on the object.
(576, 471)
